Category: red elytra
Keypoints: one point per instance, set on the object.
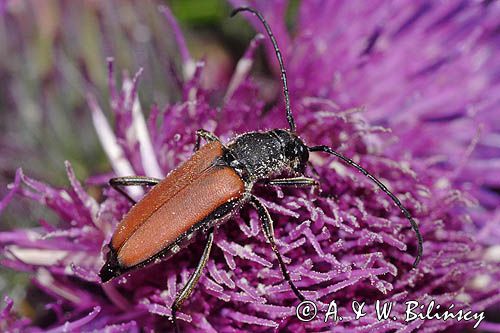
(172, 207)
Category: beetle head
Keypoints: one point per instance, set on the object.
(294, 149)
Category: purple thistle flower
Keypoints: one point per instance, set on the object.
(356, 70)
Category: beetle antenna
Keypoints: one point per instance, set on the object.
(398, 203)
(289, 115)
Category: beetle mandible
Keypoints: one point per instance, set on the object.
(208, 188)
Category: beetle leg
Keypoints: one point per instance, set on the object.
(187, 290)
(296, 181)
(203, 134)
(267, 226)
(116, 183)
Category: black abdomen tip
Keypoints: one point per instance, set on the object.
(111, 268)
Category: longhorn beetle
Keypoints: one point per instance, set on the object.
(209, 187)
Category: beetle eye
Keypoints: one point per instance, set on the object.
(291, 151)
(303, 156)
(297, 154)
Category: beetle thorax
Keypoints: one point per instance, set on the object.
(263, 155)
